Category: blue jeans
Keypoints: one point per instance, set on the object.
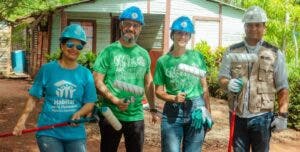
(254, 132)
(176, 127)
(51, 144)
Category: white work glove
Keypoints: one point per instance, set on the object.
(279, 124)
(235, 85)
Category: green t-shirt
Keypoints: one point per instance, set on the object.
(129, 65)
(175, 81)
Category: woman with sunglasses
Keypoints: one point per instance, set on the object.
(69, 94)
(185, 117)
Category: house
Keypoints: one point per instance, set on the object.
(5, 48)
(215, 22)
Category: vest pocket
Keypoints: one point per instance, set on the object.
(265, 74)
(267, 93)
(267, 101)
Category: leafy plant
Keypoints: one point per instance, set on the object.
(213, 59)
(86, 58)
(294, 96)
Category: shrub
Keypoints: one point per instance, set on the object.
(86, 58)
(213, 59)
(294, 97)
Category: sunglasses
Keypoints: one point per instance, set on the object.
(70, 44)
(127, 24)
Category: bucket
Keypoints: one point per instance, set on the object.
(18, 61)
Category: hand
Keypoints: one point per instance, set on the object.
(18, 129)
(235, 85)
(76, 116)
(122, 105)
(180, 97)
(279, 124)
(155, 118)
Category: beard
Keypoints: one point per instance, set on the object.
(129, 37)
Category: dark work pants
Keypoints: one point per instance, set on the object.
(133, 134)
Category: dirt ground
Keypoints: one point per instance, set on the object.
(13, 94)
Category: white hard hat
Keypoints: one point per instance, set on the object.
(255, 14)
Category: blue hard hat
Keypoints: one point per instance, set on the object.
(183, 24)
(74, 31)
(132, 13)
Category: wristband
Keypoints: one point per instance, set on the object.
(283, 114)
(153, 110)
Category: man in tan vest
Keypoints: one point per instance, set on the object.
(252, 86)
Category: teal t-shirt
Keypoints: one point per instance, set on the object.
(175, 81)
(65, 91)
(129, 65)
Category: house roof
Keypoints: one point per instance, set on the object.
(30, 17)
(226, 4)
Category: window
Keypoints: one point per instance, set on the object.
(89, 27)
(115, 29)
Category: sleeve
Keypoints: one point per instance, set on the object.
(280, 72)
(101, 64)
(225, 66)
(90, 94)
(37, 89)
(159, 78)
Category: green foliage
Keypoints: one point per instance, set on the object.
(213, 59)
(294, 89)
(13, 9)
(53, 56)
(86, 58)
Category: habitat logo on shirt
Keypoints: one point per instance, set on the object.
(65, 97)
(65, 89)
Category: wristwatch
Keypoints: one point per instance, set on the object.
(153, 110)
(283, 114)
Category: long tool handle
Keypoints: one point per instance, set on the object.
(232, 126)
(49, 126)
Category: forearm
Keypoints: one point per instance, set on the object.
(206, 94)
(283, 100)
(103, 90)
(149, 90)
(86, 109)
(30, 105)
(165, 96)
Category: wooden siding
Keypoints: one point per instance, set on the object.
(206, 29)
(55, 31)
(152, 32)
(233, 27)
(151, 36)
(117, 6)
(103, 10)
(5, 48)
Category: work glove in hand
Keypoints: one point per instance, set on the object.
(235, 85)
(207, 118)
(279, 124)
(197, 120)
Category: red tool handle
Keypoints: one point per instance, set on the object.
(37, 129)
(232, 126)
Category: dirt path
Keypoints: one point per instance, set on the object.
(13, 94)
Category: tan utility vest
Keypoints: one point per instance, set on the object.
(262, 86)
